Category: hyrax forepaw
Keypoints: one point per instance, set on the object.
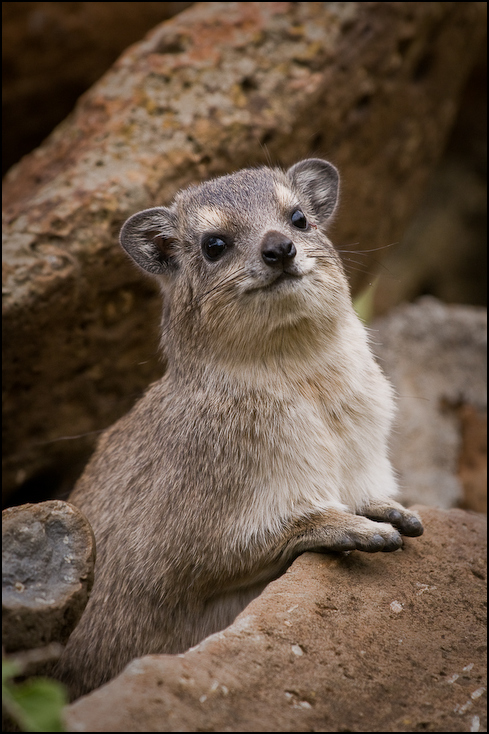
(407, 522)
(373, 543)
(343, 531)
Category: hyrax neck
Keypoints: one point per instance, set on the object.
(279, 361)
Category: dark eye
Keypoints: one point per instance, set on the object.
(298, 219)
(214, 247)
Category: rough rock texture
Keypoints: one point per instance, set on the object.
(52, 52)
(384, 642)
(444, 250)
(436, 357)
(48, 555)
(373, 86)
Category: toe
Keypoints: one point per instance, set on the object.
(373, 544)
(393, 543)
(411, 526)
(394, 517)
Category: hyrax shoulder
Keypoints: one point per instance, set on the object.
(266, 437)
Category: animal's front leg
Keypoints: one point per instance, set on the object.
(407, 522)
(337, 530)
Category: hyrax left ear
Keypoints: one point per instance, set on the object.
(318, 181)
(149, 238)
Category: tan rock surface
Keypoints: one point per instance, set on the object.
(52, 52)
(383, 642)
(373, 86)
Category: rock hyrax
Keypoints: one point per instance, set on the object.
(266, 437)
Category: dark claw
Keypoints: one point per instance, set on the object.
(378, 543)
(393, 543)
(394, 517)
(406, 524)
(374, 544)
(412, 527)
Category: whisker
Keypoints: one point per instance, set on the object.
(349, 262)
(68, 438)
(235, 277)
(228, 280)
(357, 270)
(267, 153)
(384, 267)
(320, 253)
(365, 252)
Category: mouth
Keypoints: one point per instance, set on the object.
(281, 280)
(275, 283)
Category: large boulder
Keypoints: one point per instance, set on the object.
(345, 642)
(444, 249)
(52, 52)
(373, 86)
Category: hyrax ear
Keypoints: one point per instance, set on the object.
(149, 238)
(318, 181)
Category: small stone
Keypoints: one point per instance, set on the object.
(48, 555)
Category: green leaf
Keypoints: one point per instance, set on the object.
(36, 704)
(9, 669)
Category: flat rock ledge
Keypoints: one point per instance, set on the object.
(350, 642)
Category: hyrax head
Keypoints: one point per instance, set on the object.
(250, 246)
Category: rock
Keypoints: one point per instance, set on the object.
(444, 250)
(47, 572)
(436, 357)
(358, 642)
(52, 52)
(373, 86)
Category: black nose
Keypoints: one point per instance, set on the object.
(277, 250)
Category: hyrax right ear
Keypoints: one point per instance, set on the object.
(149, 238)
(318, 181)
